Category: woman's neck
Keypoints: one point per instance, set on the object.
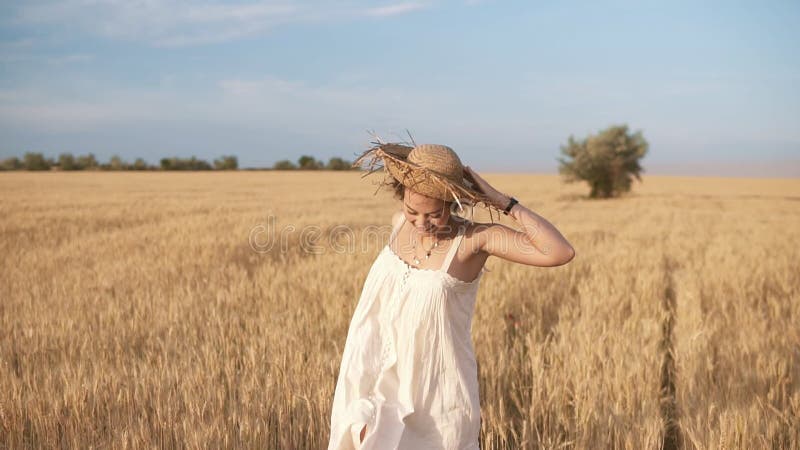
(447, 231)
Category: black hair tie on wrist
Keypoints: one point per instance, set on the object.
(511, 204)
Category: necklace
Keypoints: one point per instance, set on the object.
(417, 261)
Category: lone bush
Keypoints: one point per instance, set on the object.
(607, 161)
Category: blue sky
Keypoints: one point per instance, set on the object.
(714, 87)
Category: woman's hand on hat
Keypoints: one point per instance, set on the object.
(496, 197)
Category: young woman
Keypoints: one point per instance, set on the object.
(408, 377)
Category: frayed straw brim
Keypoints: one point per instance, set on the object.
(393, 157)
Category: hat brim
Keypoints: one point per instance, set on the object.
(393, 158)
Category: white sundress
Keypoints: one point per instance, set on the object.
(408, 368)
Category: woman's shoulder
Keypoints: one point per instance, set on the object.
(477, 233)
(472, 231)
(476, 227)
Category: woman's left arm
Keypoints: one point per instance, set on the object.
(538, 244)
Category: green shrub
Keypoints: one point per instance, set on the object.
(35, 161)
(607, 161)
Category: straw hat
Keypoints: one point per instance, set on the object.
(429, 169)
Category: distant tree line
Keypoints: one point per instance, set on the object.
(69, 162)
(306, 162)
(224, 163)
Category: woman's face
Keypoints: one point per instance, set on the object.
(428, 215)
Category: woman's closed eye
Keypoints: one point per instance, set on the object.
(432, 216)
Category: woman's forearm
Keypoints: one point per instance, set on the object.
(539, 231)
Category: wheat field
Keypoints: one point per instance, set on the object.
(152, 310)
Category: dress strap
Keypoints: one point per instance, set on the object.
(396, 229)
(453, 249)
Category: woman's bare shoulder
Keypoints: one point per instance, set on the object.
(473, 235)
(473, 228)
(477, 233)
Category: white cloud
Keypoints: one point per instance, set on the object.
(17, 44)
(71, 58)
(23, 57)
(175, 23)
(254, 104)
(52, 111)
(299, 105)
(395, 9)
(162, 22)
